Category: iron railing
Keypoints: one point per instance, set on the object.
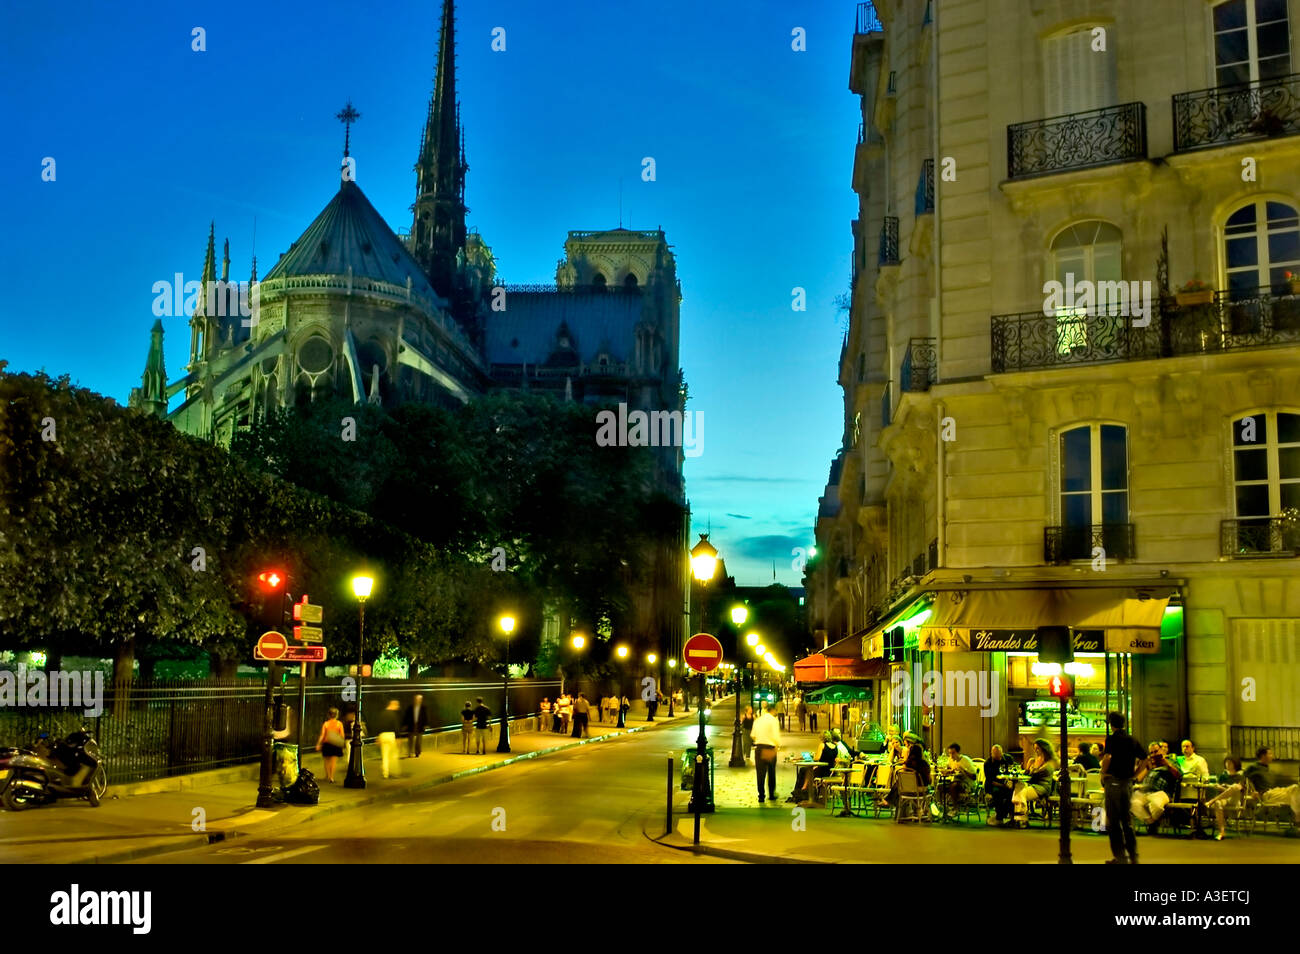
(933, 552)
(889, 241)
(1097, 137)
(572, 289)
(925, 188)
(919, 364)
(1231, 321)
(918, 565)
(868, 20)
(1248, 739)
(1254, 537)
(884, 406)
(1236, 113)
(1063, 544)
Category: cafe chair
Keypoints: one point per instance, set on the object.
(969, 801)
(878, 789)
(844, 792)
(912, 793)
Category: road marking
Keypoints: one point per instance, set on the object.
(270, 859)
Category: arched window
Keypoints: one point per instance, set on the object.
(630, 283)
(1094, 492)
(1252, 41)
(1261, 243)
(1086, 254)
(598, 281)
(1265, 478)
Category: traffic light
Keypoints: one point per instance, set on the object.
(1055, 644)
(1061, 686)
(270, 597)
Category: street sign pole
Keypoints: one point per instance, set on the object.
(264, 795)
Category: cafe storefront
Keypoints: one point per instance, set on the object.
(976, 678)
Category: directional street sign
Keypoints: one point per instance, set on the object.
(305, 612)
(271, 646)
(304, 654)
(703, 652)
(307, 634)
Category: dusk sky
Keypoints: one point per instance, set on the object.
(753, 145)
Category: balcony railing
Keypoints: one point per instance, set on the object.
(889, 241)
(1063, 544)
(884, 407)
(919, 365)
(925, 189)
(868, 20)
(1097, 137)
(1232, 321)
(1237, 113)
(1257, 537)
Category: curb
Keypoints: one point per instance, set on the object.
(678, 843)
(200, 839)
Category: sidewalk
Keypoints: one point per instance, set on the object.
(743, 830)
(220, 805)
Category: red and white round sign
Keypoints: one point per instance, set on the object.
(703, 652)
(272, 645)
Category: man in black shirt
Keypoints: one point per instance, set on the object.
(999, 790)
(481, 716)
(1119, 762)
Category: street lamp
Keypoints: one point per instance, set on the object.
(361, 588)
(704, 561)
(651, 659)
(579, 640)
(507, 624)
(621, 653)
(672, 665)
(738, 616)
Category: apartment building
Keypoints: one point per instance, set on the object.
(1072, 371)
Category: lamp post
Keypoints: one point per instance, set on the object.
(652, 703)
(738, 616)
(356, 777)
(621, 653)
(507, 624)
(704, 562)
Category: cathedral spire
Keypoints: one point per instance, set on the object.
(439, 224)
(151, 396)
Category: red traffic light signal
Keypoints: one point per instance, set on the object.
(1061, 687)
(271, 579)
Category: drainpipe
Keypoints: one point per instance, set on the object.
(941, 465)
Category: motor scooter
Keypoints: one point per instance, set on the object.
(54, 769)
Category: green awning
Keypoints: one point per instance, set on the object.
(837, 694)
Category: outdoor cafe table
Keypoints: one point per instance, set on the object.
(800, 768)
(1201, 785)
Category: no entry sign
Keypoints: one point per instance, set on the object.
(270, 646)
(703, 652)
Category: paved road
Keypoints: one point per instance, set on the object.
(583, 806)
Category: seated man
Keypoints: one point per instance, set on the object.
(1274, 789)
(1158, 779)
(999, 790)
(1191, 764)
(1086, 758)
(957, 777)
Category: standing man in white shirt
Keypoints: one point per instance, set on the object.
(767, 740)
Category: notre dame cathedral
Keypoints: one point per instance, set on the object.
(353, 308)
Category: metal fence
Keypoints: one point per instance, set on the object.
(1245, 740)
(160, 729)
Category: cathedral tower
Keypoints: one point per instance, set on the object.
(438, 228)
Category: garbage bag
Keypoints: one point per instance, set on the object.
(304, 791)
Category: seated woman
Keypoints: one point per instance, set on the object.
(1042, 766)
(917, 762)
(803, 786)
(1234, 787)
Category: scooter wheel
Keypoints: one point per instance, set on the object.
(98, 786)
(13, 802)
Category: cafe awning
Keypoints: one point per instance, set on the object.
(820, 667)
(1113, 619)
(838, 694)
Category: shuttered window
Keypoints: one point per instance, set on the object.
(1077, 78)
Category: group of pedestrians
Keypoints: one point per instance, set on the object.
(571, 715)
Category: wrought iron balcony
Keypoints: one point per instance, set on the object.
(925, 188)
(1230, 321)
(889, 241)
(919, 365)
(868, 20)
(1258, 537)
(1237, 113)
(1097, 137)
(884, 407)
(1063, 544)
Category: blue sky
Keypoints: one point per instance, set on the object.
(753, 144)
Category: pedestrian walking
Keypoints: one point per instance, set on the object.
(600, 709)
(481, 731)
(767, 741)
(581, 715)
(466, 727)
(544, 723)
(623, 707)
(566, 713)
(651, 705)
(747, 729)
(812, 719)
(801, 710)
(330, 743)
(389, 724)
(414, 721)
(612, 704)
(349, 731)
